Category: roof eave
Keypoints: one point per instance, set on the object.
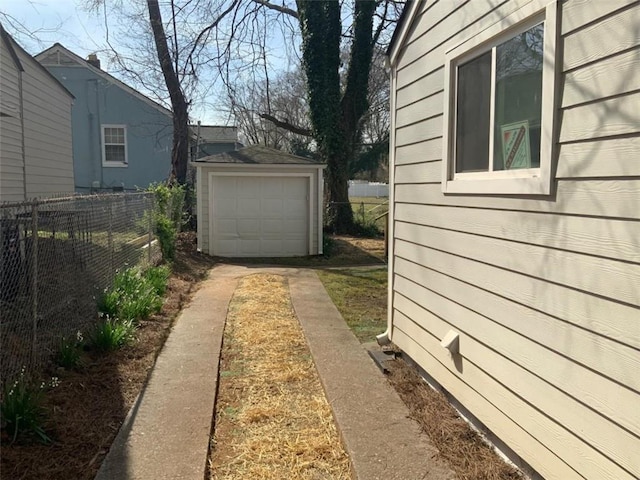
(107, 76)
(407, 16)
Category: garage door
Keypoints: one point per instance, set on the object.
(260, 216)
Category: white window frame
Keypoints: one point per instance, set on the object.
(105, 162)
(536, 181)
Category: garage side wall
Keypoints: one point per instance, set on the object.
(205, 199)
(543, 290)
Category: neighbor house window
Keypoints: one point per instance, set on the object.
(114, 146)
(499, 116)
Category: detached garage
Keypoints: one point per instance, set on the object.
(259, 202)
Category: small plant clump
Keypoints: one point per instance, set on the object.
(21, 408)
(158, 278)
(70, 351)
(112, 334)
(133, 296)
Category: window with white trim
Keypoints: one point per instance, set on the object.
(499, 114)
(114, 145)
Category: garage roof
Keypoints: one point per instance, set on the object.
(258, 155)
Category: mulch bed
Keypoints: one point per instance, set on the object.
(88, 407)
(462, 447)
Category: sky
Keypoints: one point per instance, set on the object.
(54, 21)
(79, 30)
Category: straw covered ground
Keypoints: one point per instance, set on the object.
(272, 418)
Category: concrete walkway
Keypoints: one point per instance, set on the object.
(166, 435)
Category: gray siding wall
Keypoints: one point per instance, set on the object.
(545, 291)
(11, 163)
(202, 188)
(100, 102)
(46, 108)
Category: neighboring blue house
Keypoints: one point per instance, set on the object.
(121, 138)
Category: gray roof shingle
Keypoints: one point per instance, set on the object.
(258, 155)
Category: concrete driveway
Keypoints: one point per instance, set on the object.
(167, 432)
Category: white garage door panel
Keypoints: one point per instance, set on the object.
(260, 216)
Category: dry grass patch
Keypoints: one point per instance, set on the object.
(272, 418)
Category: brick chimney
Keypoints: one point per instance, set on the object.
(92, 59)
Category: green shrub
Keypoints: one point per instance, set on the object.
(366, 229)
(112, 334)
(168, 216)
(167, 234)
(169, 202)
(132, 297)
(69, 352)
(158, 278)
(21, 408)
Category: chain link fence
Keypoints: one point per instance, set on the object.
(57, 257)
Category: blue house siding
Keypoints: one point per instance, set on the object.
(100, 101)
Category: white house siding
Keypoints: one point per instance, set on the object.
(545, 291)
(46, 110)
(11, 165)
(204, 199)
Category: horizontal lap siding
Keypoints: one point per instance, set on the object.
(545, 291)
(48, 147)
(11, 169)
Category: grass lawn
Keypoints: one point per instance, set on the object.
(367, 209)
(361, 297)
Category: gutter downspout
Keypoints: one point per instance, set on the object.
(386, 337)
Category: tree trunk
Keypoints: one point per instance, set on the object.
(339, 215)
(335, 116)
(179, 105)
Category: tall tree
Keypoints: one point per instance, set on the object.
(336, 115)
(337, 103)
(179, 105)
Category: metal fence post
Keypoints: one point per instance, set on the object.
(34, 279)
(110, 239)
(150, 206)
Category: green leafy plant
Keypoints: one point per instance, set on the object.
(21, 407)
(132, 296)
(167, 234)
(168, 215)
(69, 351)
(158, 277)
(112, 334)
(367, 229)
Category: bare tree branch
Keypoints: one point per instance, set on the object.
(278, 8)
(286, 125)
